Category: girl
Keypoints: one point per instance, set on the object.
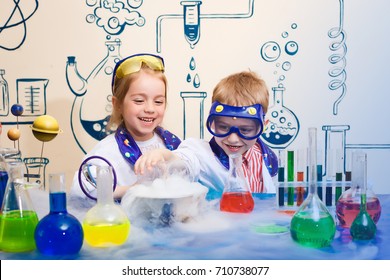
(139, 88)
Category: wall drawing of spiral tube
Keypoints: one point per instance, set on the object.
(337, 58)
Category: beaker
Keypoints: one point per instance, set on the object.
(348, 205)
(312, 225)
(236, 196)
(58, 233)
(18, 218)
(283, 124)
(106, 223)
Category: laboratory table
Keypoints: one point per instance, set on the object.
(214, 235)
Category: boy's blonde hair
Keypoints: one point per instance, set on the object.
(120, 88)
(242, 89)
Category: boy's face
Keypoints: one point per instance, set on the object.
(233, 143)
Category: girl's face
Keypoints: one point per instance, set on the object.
(233, 143)
(144, 105)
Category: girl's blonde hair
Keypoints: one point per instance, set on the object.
(120, 88)
(242, 89)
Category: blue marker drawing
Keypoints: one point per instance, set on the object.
(191, 20)
(281, 124)
(337, 58)
(18, 15)
(114, 15)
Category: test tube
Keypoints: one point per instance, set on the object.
(348, 168)
(300, 175)
(329, 178)
(339, 175)
(290, 178)
(319, 173)
(281, 173)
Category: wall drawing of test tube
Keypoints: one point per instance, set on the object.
(193, 105)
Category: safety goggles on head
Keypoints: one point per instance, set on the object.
(133, 64)
(246, 121)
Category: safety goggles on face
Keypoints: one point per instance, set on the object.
(133, 64)
(246, 121)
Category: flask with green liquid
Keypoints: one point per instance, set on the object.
(18, 219)
(312, 225)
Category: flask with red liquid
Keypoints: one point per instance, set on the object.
(348, 205)
(236, 196)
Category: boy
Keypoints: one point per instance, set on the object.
(236, 120)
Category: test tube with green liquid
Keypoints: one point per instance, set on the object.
(290, 177)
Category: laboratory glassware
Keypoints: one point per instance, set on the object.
(6, 155)
(363, 227)
(236, 196)
(59, 232)
(106, 223)
(348, 205)
(281, 176)
(18, 219)
(312, 225)
(290, 177)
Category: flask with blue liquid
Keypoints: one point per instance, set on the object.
(58, 233)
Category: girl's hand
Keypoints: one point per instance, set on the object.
(151, 158)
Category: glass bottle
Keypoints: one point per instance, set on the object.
(18, 219)
(363, 227)
(58, 233)
(312, 225)
(283, 124)
(236, 196)
(106, 223)
(4, 95)
(348, 205)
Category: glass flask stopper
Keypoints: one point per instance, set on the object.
(236, 196)
(58, 233)
(18, 219)
(348, 205)
(106, 223)
(363, 227)
(312, 225)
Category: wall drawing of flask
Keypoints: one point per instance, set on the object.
(283, 126)
(4, 95)
(86, 128)
(191, 21)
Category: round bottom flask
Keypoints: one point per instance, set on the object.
(312, 225)
(105, 224)
(58, 233)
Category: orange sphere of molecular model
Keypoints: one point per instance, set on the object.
(45, 128)
(13, 134)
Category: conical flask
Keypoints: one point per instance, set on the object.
(312, 225)
(348, 205)
(106, 223)
(7, 155)
(363, 227)
(58, 233)
(236, 196)
(18, 218)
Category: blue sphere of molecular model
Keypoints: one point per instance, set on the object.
(17, 110)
